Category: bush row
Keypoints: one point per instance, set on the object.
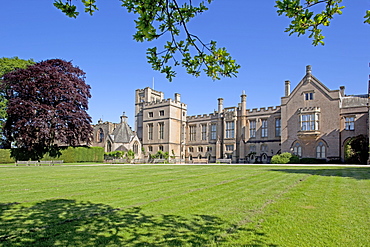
(68, 155)
(288, 158)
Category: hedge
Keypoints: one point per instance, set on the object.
(312, 161)
(79, 154)
(5, 156)
(69, 155)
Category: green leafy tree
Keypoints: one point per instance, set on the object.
(306, 19)
(356, 150)
(8, 65)
(47, 107)
(158, 18)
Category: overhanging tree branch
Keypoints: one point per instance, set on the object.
(159, 17)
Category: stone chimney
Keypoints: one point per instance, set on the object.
(177, 97)
(220, 105)
(287, 88)
(342, 88)
(243, 101)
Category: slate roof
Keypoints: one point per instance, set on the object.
(122, 133)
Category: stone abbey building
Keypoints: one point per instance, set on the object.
(312, 121)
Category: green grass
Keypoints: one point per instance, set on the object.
(184, 206)
(63, 164)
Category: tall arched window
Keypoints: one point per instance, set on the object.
(320, 151)
(297, 149)
(136, 147)
(109, 146)
(100, 136)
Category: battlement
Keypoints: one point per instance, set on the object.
(201, 117)
(148, 88)
(270, 109)
(166, 102)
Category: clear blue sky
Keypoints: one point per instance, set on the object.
(253, 33)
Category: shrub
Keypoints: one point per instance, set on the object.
(312, 161)
(334, 161)
(160, 155)
(130, 155)
(284, 158)
(114, 155)
(294, 159)
(5, 156)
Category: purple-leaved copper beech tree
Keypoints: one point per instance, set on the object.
(47, 104)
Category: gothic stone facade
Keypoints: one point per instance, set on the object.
(116, 137)
(312, 121)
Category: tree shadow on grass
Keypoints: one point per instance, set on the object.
(64, 222)
(359, 173)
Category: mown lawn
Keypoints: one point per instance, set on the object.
(184, 206)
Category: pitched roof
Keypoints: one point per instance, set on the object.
(122, 133)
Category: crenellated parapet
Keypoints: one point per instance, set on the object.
(201, 117)
(165, 102)
(268, 110)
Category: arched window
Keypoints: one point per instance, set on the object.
(252, 158)
(136, 147)
(160, 147)
(109, 146)
(100, 135)
(320, 151)
(297, 149)
(190, 157)
(264, 158)
(199, 156)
